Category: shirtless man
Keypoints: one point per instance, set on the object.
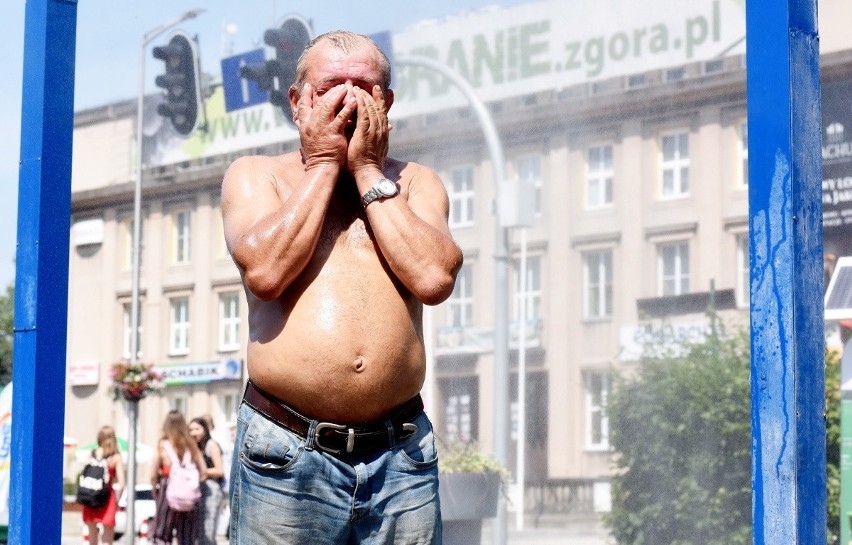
(339, 246)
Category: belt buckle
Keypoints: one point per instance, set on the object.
(350, 439)
(410, 427)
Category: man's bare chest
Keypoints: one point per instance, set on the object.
(345, 229)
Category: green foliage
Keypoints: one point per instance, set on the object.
(832, 443)
(465, 457)
(69, 487)
(7, 333)
(681, 427)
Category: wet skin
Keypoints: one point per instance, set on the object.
(335, 291)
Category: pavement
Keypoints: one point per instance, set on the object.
(72, 533)
(586, 531)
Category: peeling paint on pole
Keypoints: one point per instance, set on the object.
(770, 327)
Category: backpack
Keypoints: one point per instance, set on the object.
(183, 490)
(93, 484)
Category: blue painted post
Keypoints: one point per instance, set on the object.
(787, 374)
(41, 278)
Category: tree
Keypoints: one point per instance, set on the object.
(832, 443)
(7, 333)
(681, 428)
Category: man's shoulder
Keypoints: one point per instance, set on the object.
(405, 170)
(264, 162)
(259, 168)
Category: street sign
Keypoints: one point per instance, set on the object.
(239, 92)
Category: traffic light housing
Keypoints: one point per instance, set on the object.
(277, 75)
(180, 83)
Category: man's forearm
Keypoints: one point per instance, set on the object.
(277, 248)
(422, 257)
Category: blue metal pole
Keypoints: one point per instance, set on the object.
(787, 373)
(41, 278)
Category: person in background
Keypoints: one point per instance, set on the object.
(227, 461)
(105, 515)
(212, 489)
(168, 522)
(226, 444)
(211, 424)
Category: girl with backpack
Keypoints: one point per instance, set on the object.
(107, 450)
(177, 470)
(212, 489)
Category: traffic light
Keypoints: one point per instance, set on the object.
(181, 85)
(276, 76)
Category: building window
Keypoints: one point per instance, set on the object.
(597, 284)
(458, 418)
(597, 384)
(461, 197)
(460, 404)
(179, 403)
(228, 406)
(742, 154)
(743, 279)
(529, 172)
(532, 288)
(126, 350)
(673, 269)
(127, 249)
(179, 326)
(599, 176)
(229, 321)
(460, 303)
(180, 236)
(674, 164)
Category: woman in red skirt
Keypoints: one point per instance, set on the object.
(105, 515)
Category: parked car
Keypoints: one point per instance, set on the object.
(144, 512)
(144, 509)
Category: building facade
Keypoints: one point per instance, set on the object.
(634, 167)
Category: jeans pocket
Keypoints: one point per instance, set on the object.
(419, 449)
(268, 447)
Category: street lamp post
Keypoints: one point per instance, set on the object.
(501, 274)
(133, 405)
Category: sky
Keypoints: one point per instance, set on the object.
(109, 35)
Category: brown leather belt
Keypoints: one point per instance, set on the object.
(338, 439)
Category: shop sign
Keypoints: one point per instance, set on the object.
(84, 373)
(203, 372)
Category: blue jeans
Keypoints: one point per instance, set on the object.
(284, 490)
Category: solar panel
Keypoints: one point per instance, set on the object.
(838, 297)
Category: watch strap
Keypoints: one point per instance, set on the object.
(371, 195)
(376, 192)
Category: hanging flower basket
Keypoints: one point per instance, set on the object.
(134, 381)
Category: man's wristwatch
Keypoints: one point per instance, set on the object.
(382, 189)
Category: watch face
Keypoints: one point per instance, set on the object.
(387, 188)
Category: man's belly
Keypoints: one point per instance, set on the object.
(345, 355)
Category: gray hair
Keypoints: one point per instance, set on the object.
(345, 41)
